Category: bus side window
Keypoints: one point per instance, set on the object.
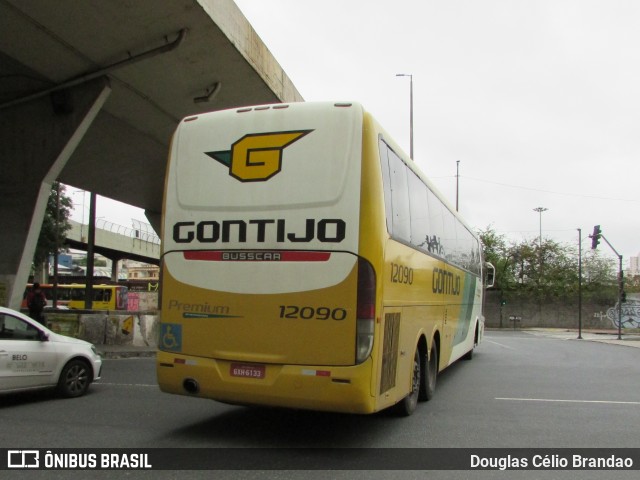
(419, 208)
(436, 225)
(399, 198)
(77, 294)
(386, 183)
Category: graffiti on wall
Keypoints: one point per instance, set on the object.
(630, 314)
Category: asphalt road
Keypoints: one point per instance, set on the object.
(520, 390)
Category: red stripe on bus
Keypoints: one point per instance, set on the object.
(259, 256)
(210, 256)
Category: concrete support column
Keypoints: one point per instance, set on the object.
(36, 140)
(115, 267)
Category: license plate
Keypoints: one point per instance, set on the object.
(247, 370)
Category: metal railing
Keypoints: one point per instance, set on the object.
(139, 230)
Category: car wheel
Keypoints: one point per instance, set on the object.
(74, 379)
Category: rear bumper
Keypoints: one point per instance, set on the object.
(337, 389)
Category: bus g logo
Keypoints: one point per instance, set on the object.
(258, 156)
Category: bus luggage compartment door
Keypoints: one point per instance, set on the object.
(299, 313)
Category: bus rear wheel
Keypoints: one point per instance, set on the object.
(428, 389)
(409, 403)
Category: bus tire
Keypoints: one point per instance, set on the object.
(469, 354)
(430, 375)
(408, 404)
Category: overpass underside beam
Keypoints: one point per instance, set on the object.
(36, 140)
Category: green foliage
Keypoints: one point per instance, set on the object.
(548, 270)
(55, 224)
(496, 252)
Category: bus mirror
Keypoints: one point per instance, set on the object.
(489, 275)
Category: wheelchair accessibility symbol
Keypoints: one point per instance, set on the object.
(171, 337)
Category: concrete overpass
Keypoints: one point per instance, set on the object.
(91, 91)
(116, 242)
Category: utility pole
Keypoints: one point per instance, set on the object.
(579, 284)
(56, 252)
(91, 241)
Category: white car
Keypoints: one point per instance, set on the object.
(32, 357)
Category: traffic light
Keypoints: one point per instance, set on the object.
(595, 238)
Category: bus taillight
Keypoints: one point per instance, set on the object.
(366, 310)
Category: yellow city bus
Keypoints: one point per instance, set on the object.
(307, 263)
(72, 296)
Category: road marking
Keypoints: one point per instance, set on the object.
(500, 344)
(567, 401)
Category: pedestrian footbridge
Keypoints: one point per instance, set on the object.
(117, 242)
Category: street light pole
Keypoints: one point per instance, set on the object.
(410, 110)
(457, 181)
(540, 210)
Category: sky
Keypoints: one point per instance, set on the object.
(538, 100)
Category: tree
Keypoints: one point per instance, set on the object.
(532, 270)
(54, 226)
(600, 276)
(496, 252)
(550, 269)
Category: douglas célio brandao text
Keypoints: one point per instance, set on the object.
(550, 462)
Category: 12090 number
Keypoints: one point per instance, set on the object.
(312, 313)
(401, 274)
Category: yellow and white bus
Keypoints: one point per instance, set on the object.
(307, 263)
